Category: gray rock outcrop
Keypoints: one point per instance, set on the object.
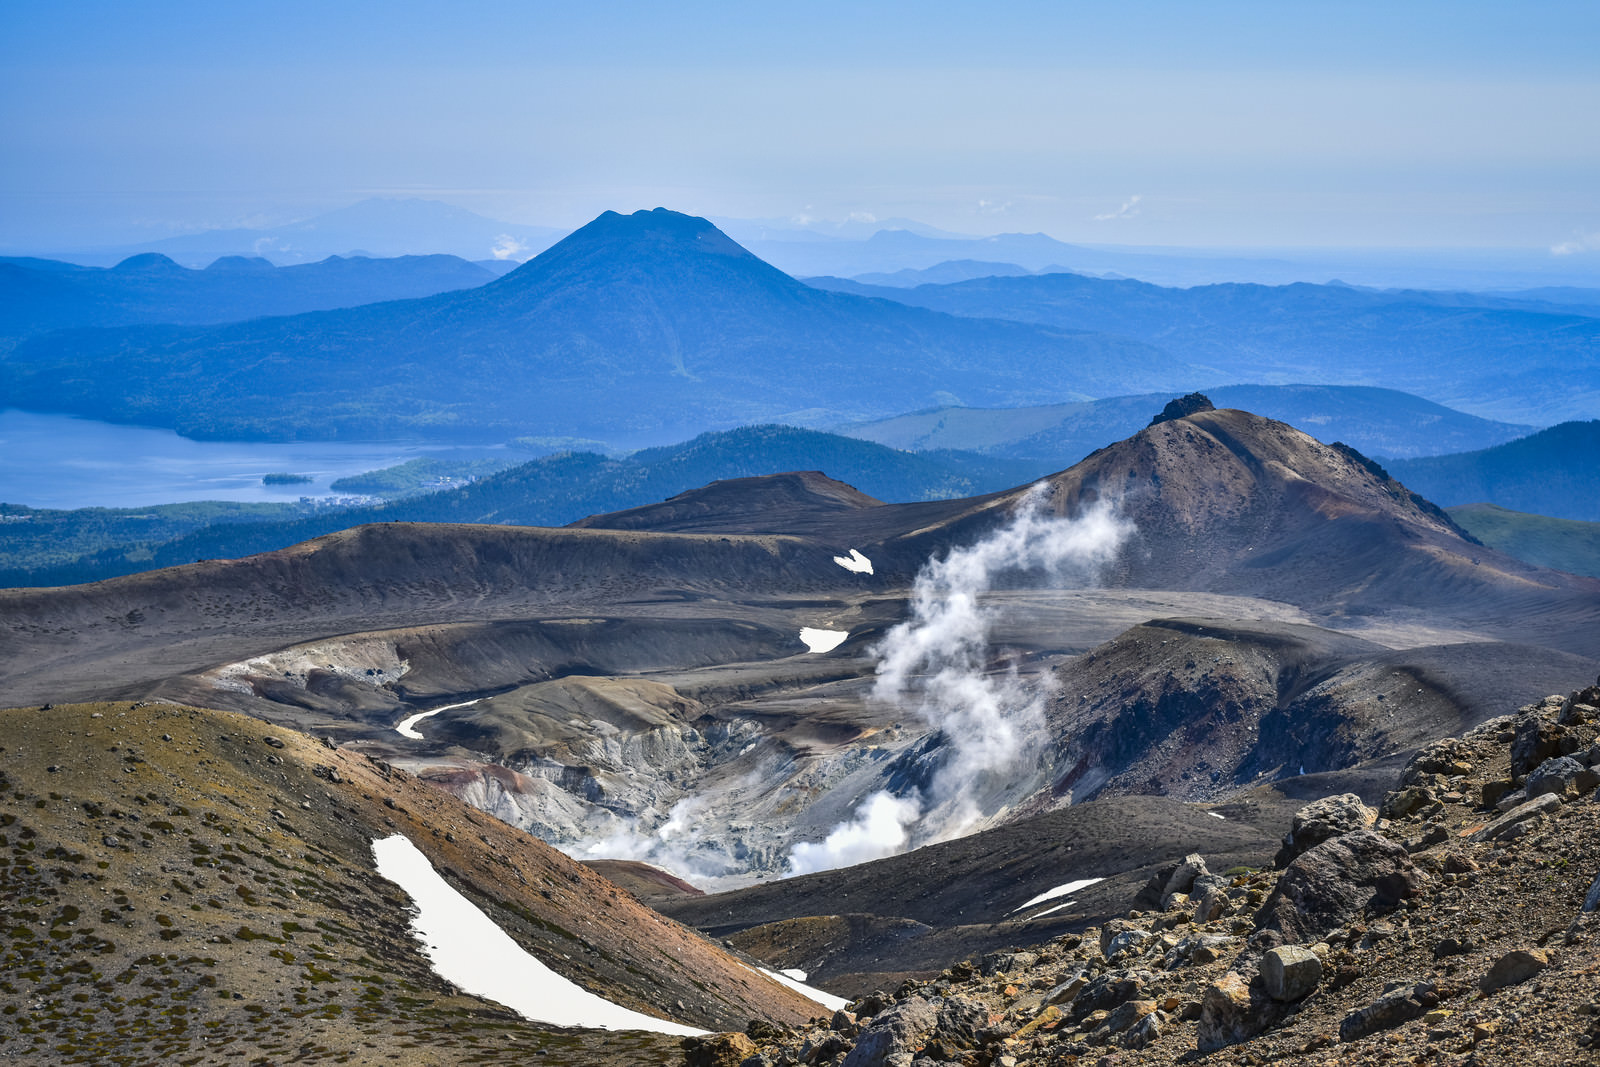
(1321, 820)
(1327, 886)
(914, 1023)
(1516, 816)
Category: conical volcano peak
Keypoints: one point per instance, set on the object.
(659, 226)
(615, 243)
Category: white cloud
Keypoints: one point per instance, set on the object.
(508, 247)
(1580, 242)
(1129, 208)
(993, 207)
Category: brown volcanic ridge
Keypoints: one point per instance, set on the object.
(1287, 623)
(181, 885)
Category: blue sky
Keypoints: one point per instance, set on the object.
(1218, 124)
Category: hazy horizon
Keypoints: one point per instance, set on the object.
(1240, 126)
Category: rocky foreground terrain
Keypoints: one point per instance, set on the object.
(1458, 924)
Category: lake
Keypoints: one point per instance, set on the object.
(57, 461)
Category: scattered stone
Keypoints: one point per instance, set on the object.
(1390, 1010)
(1126, 941)
(1225, 1016)
(1511, 800)
(1290, 972)
(272, 742)
(1125, 1017)
(1558, 775)
(1536, 740)
(1331, 884)
(1592, 901)
(1182, 880)
(1067, 990)
(1006, 963)
(1323, 819)
(1406, 801)
(1143, 1032)
(1110, 930)
(1051, 1014)
(1514, 967)
(1519, 814)
(718, 1050)
(1432, 834)
(1580, 708)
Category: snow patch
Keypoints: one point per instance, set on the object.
(467, 948)
(827, 1000)
(408, 726)
(1217, 815)
(1048, 911)
(1059, 891)
(855, 562)
(822, 640)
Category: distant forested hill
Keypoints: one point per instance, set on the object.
(1379, 422)
(42, 295)
(1554, 472)
(550, 491)
(1565, 544)
(1517, 361)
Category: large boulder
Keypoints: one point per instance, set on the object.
(1225, 1015)
(718, 1050)
(1536, 739)
(1388, 1011)
(1561, 775)
(1332, 883)
(1290, 972)
(1321, 820)
(915, 1022)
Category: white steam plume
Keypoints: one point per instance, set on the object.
(936, 666)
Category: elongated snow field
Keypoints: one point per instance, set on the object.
(467, 948)
(408, 725)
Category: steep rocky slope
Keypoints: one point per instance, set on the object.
(1458, 925)
(178, 881)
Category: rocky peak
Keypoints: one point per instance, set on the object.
(1192, 404)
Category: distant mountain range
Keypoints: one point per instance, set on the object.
(654, 327)
(1380, 422)
(635, 330)
(1492, 356)
(40, 295)
(1555, 472)
(895, 247)
(379, 227)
